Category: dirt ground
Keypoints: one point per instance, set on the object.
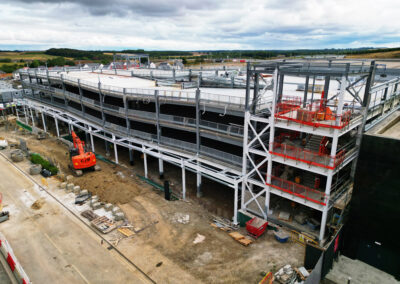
(217, 259)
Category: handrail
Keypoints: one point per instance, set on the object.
(306, 156)
(298, 190)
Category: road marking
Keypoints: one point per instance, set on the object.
(51, 241)
(80, 274)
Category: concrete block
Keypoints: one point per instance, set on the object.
(84, 192)
(108, 207)
(63, 185)
(116, 210)
(35, 169)
(96, 205)
(17, 155)
(94, 199)
(70, 187)
(69, 178)
(61, 176)
(119, 216)
(77, 189)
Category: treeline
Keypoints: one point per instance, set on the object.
(80, 54)
(159, 54)
(262, 54)
(58, 61)
(100, 55)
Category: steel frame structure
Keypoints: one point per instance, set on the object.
(191, 162)
(260, 127)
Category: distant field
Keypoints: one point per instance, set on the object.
(18, 63)
(388, 54)
(26, 55)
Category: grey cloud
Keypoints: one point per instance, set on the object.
(152, 8)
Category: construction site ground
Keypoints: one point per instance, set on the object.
(165, 249)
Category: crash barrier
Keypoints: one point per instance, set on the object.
(12, 261)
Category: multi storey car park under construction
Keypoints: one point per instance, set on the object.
(282, 135)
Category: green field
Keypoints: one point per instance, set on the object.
(29, 55)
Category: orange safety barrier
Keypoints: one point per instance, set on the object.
(307, 156)
(298, 190)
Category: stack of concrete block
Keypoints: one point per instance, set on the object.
(94, 202)
(17, 155)
(95, 205)
(63, 185)
(94, 199)
(108, 207)
(77, 189)
(70, 187)
(116, 210)
(118, 214)
(35, 169)
(84, 192)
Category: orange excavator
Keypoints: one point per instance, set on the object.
(80, 159)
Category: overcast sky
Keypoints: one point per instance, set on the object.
(199, 24)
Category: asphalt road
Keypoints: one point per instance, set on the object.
(51, 244)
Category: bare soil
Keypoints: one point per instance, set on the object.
(217, 259)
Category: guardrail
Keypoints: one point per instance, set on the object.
(140, 113)
(178, 143)
(174, 95)
(221, 155)
(306, 156)
(143, 135)
(298, 190)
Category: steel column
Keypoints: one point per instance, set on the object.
(335, 139)
(57, 130)
(183, 179)
(157, 105)
(145, 164)
(44, 122)
(115, 150)
(235, 205)
(199, 192)
(91, 138)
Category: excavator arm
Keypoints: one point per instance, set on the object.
(78, 143)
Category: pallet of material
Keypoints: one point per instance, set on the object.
(90, 215)
(126, 232)
(103, 224)
(240, 238)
